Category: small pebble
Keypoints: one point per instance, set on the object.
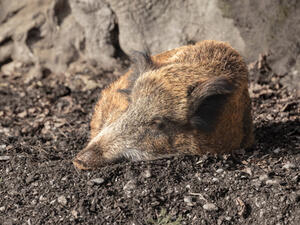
(2, 209)
(282, 198)
(296, 178)
(62, 200)
(288, 165)
(2, 147)
(32, 110)
(42, 198)
(277, 150)
(228, 218)
(130, 185)
(188, 200)
(257, 183)
(202, 159)
(215, 179)
(74, 213)
(210, 207)
(220, 170)
(22, 114)
(272, 182)
(248, 171)
(263, 177)
(9, 147)
(97, 180)
(4, 158)
(146, 174)
(34, 202)
(29, 179)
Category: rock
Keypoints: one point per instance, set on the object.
(220, 170)
(30, 178)
(296, 178)
(288, 165)
(62, 200)
(51, 35)
(100, 29)
(146, 173)
(247, 170)
(4, 158)
(74, 213)
(42, 198)
(228, 218)
(9, 147)
(242, 208)
(13, 68)
(272, 182)
(6, 51)
(210, 207)
(216, 180)
(263, 177)
(97, 180)
(129, 187)
(22, 114)
(145, 21)
(292, 80)
(2, 209)
(277, 150)
(42, 34)
(189, 201)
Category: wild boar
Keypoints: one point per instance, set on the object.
(190, 100)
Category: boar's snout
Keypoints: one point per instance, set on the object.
(87, 159)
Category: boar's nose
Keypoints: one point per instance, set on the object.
(87, 159)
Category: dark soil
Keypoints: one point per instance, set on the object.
(45, 123)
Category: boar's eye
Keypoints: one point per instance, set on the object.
(158, 123)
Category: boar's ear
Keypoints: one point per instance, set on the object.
(141, 62)
(206, 102)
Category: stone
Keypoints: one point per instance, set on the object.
(129, 188)
(220, 170)
(288, 165)
(277, 150)
(147, 173)
(62, 200)
(4, 158)
(97, 180)
(263, 177)
(189, 201)
(99, 24)
(272, 182)
(74, 213)
(210, 207)
(52, 35)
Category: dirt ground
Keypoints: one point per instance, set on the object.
(45, 123)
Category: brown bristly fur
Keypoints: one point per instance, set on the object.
(189, 100)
